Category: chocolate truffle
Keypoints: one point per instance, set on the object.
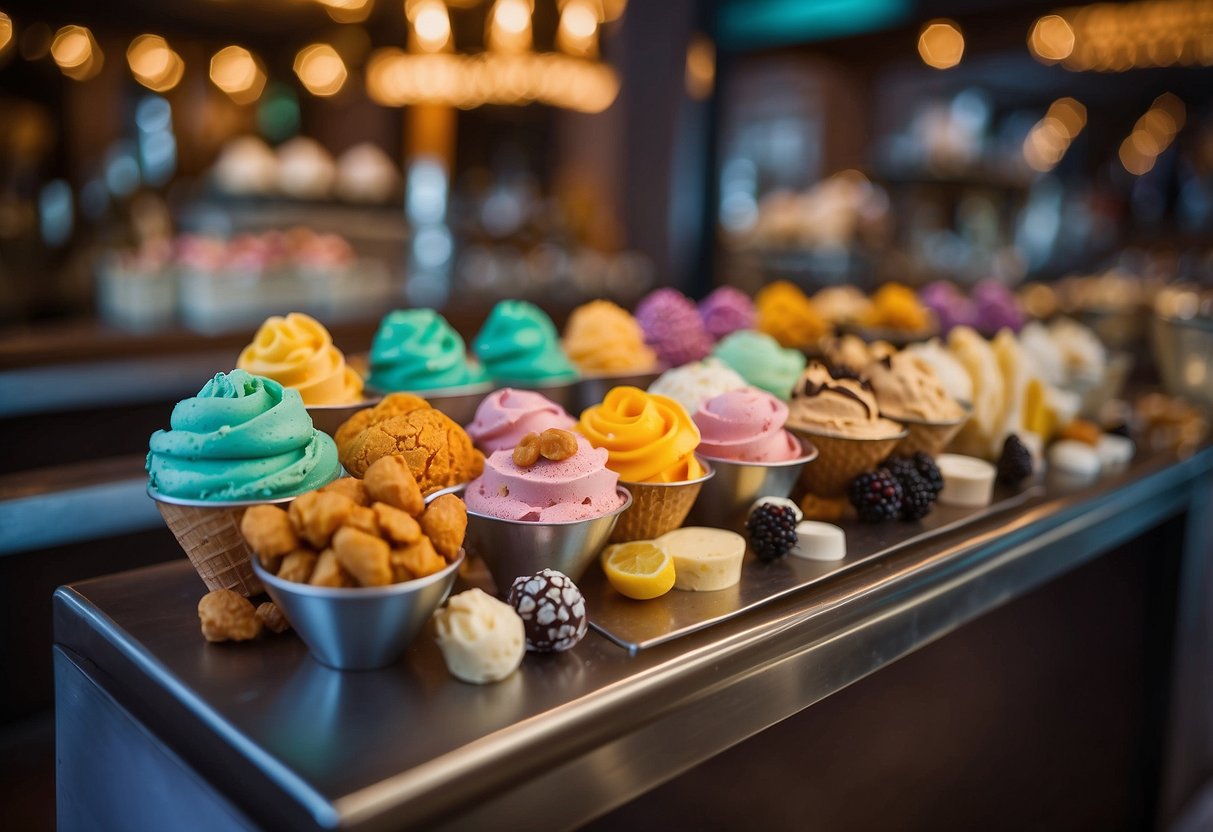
(552, 610)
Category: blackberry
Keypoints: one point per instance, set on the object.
(1015, 462)
(901, 467)
(772, 531)
(929, 471)
(918, 497)
(876, 496)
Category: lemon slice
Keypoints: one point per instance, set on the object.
(642, 569)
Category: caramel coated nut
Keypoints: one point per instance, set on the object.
(397, 525)
(526, 452)
(363, 556)
(269, 533)
(415, 561)
(445, 523)
(390, 480)
(351, 488)
(227, 616)
(557, 445)
(272, 618)
(363, 519)
(329, 572)
(298, 566)
(318, 514)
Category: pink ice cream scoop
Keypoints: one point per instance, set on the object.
(725, 311)
(672, 327)
(507, 415)
(578, 488)
(746, 425)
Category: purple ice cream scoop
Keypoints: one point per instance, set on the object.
(996, 307)
(672, 327)
(725, 311)
(950, 306)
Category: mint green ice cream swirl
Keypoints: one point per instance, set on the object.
(243, 437)
(518, 344)
(760, 360)
(416, 349)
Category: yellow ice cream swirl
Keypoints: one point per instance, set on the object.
(649, 438)
(602, 337)
(297, 351)
(787, 315)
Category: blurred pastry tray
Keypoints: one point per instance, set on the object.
(637, 625)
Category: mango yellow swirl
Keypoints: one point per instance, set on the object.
(298, 352)
(649, 438)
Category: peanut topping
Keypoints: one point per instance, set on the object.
(527, 451)
(556, 444)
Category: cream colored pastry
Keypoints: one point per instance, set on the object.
(906, 387)
(968, 482)
(988, 417)
(948, 369)
(482, 639)
(841, 407)
(705, 560)
(819, 541)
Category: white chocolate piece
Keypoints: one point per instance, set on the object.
(967, 481)
(1078, 459)
(482, 639)
(778, 501)
(705, 560)
(1114, 451)
(820, 541)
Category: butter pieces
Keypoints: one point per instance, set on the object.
(705, 560)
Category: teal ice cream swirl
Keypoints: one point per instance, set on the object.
(416, 349)
(243, 437)
(760, 360)
(518, 344)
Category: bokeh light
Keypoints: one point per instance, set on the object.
(76, 52)
(1051, 39)
(941, 44)
(237, 72)
(320, 69)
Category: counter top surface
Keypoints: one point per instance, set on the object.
(295, 744)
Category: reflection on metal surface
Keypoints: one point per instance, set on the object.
(678, 613)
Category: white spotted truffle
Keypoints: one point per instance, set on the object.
(552, 610)
(482, 640)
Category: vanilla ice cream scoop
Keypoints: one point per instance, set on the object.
(482, 639)
(906, 387)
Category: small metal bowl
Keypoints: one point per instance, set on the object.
(563, 393)
(592, 388)
(459, 403)
(329, 417)
(359, 628)
(522, 547)
(725, 499)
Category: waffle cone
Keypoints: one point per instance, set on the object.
(212, 540)
(840, 460)
(655, 510)
(929, 437)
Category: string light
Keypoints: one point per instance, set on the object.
(431, 24)
(76, 52)
(941, 44)
(237, 72)
(320, 69)
(509, 27)
(1152, 134)
(396, 78)
(1051, 39)
(6, 31)
(1114, 37)
(154, 64)
(701, 67)
(1050, 138)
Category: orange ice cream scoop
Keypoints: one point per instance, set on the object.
(297, 351)
(649, 438)
(787, 315)
(895, 306)
(602, 337)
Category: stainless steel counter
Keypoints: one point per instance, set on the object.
(291, 744)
